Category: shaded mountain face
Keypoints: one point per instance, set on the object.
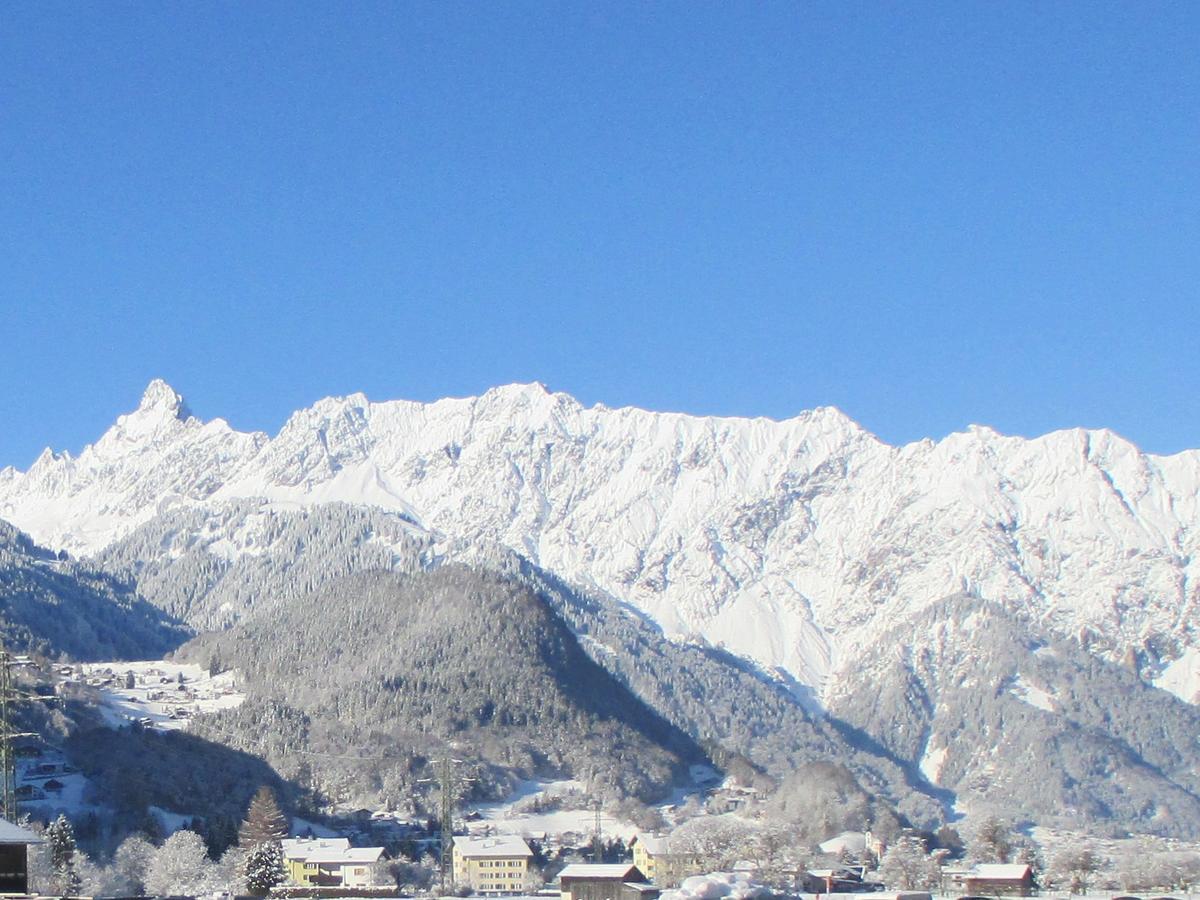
(1013, 723)
(181, 561)
(58, 607)
(405, 665)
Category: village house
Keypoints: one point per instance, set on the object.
(492, 865)
(1000, 879)
(330, 862)
(14, 857)
(659, 863)
(619, 881)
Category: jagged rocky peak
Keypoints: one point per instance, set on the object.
(161, 411)
(160, 397)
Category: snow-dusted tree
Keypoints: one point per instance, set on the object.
(180, 866)
(264, 868)
(415, 877)
(1077, 868)
(714, 843)
(130, 864)
(907, 866)
(60, 837)
(231, 871)
(265, 821)
(101, 881)
(993, 842)
(38, 859)
(1027, 852)
(776, 851)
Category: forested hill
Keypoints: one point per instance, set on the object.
(380, 671)
(55, 606)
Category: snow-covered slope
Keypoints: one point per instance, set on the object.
(795, 543)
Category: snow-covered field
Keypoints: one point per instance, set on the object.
(158, 694)
(519, 814)
(48, 782)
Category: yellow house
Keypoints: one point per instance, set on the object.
(492, 865)
(330, 862)
(654, 858)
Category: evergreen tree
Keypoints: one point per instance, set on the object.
(265, 822)
(61, 838)
(259, 837)
(264, 868)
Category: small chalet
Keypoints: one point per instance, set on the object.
(1000, 879)
(844, 880)
(14, 857)
(620, 881)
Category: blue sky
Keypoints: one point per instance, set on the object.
(927, 215)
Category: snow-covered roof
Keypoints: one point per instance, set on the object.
(497, 845)
(331, 851)
(597, 870)
(301, 844)
(1001, 871)
(653, 843)
(852, 841)
(15, 834)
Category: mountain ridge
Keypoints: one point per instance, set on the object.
(793, 543)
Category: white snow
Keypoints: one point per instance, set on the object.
(731, 885)
(170, 821)
(158, 699)
(516, 814)
(1032, 694)
(797, 544)
(932, 762)
(1182, 676)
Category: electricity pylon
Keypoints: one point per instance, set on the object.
(448, 782)
(9, 695)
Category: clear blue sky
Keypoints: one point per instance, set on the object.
(927, 215)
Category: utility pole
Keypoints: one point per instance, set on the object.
(598, 836)
(7, 760)
(447, 829)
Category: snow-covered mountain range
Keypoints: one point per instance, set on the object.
(798, 544)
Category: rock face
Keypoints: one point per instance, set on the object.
(798, 544)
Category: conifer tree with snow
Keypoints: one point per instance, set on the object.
(259, 838)
(265, 822)
(63, 873)
(264, 868)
